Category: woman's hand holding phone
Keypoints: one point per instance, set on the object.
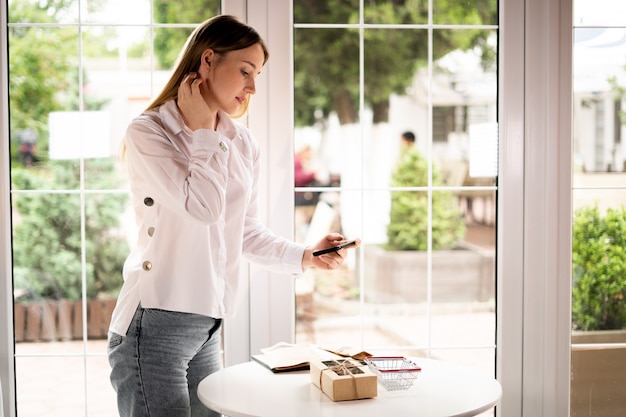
(329, 253)
(334, 248)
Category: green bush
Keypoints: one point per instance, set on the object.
(47, 244)
(408, 223)
(599, 269)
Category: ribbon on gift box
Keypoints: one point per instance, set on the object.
(342, 369)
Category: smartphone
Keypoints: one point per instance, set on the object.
(334, 248)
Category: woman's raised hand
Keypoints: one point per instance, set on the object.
(194, 109)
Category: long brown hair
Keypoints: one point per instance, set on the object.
(222, 33)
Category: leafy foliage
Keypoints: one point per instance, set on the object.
(408, 225)
(37, 75)
(168, 42)
(47, 244)
(48, 247)
(599, 269)
(327, 60)
(43, 68)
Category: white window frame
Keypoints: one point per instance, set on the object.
(534, 208)
(269, 316)
(7, 351)
(534, 203)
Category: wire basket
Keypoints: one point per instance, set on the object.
(395, 373)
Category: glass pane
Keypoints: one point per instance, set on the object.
(47, 246)
(463, 284)
(185, 11)
(317, 174)
(43, 82)
(396, 12)
(26, 11)
(326, 89)
(408, 222)
(598, 374)
(167, 46)
(107, 234)
(465, 12)
(427, 262)
(325, 11)
(119, 85)
(395, 271)
(464, 115)
(481, 359)
(53, 386)
(598, 13)
(108, 12)
(327, 312)
(392, 57)
(47, 269)
(598, 218)
(46, 320)
(328, 80)
(50, 386)
(101, 399)
(327, 301)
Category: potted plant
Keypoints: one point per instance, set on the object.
(408, 218)
(598, 311)
(397, 271)
(599, 269)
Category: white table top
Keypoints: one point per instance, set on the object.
(442, 389)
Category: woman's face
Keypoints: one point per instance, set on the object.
(229, 78)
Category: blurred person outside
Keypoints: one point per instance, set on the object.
(407, 140)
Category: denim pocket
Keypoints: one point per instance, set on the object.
(114, 340)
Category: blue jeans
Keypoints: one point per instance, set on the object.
(158, 364)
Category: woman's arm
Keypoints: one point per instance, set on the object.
(192, 186)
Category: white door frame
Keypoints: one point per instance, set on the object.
(534, 203)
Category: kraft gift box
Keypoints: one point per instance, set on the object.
(344, 379)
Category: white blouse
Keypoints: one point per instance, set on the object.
(195, 197)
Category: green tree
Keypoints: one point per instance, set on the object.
(43, 68)
(327, 60)
(47, 248)
(37, 74)
(168, 42)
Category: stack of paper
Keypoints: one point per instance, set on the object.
(283, 357)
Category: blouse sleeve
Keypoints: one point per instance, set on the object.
(192, 186)
(260, 244)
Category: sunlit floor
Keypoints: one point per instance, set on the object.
(57, 386)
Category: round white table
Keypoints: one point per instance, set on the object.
(441, 389)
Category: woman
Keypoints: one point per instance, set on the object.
(194, 181)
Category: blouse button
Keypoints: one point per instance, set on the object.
(150, 231)
(148, 201)
(147, 265)
(224, 146)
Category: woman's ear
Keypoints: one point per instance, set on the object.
(207, 58)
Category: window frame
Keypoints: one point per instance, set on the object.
(534, 218)
(7, 349)
(534, 208)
